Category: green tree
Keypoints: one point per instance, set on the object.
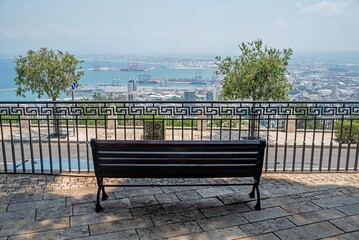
(46, 72)
(259, 73)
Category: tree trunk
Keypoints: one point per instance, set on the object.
(253, 123)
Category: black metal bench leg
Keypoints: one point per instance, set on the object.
(258, 205)
(99, 208)
(104, 195)
(252, 194)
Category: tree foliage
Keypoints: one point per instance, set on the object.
(46, 72)
(258, 74)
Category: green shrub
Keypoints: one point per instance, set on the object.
(154, 129)
(347, 130)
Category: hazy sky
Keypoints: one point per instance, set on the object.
(176, 26)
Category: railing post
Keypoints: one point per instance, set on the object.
(112, 118)
(24, 119)
(201, 123)
(291, 128)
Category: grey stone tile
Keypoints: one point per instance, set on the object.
(226, 209)
(265, 214)
(267, 226)
(128, 235)
(150, 210)
(214, 191)
(143, 201)
(301, 207)
(138, 192)
(317, 216)
(108, 205)
(308, 232)
(225, 233)
(169, 230)
(101, 217)
(166, 198)
(222, 221)
(54, 212)
(177, 217)
(188, 195)
(16, 216)
(122, 225)
(347, 224)
(30, 226)
(235, 198)
(36, 205)
(268, 236)
(277, 202)
(336, 201)
(25, 197)
(346, 236)
(3, 208)
(79, 193)
(191, 205)
(349, 209)
(67, 233)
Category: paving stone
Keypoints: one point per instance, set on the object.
(267, 226)
(30, 226)
(225, 233)
(54, 212)
(128, 235)
(122, 225)
(36, 205)
(222, 221)
(276, 202)
(166, 198)
(188, 195)
(25, 197)
(169, 230)
(265, 214)
(143, 201)
(349, 209)
(67, 233)
(347, 236)
(347, 224)
(108, 205)
(177, 217)
(16, 216)
(225, 209)
(301, 207)
(214, 191)
(150, 210)
(191, 205)
(174, 188)
(80, 193)
(308, 232)
(93, 218)
(268, 236)
(331, 202)
(235, 198)
(138, 192)
(317, 216)
(3, 208)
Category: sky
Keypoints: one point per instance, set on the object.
(115, 27)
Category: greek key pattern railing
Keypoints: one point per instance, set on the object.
(53, 137)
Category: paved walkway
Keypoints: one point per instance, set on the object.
(294, 206)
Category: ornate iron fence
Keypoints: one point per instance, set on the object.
(48, 137)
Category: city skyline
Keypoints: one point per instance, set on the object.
(176, 27)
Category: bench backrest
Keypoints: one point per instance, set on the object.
(182, 159)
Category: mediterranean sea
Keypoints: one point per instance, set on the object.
(105, 77)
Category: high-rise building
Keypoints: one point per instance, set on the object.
(190, 96)
(209, 95)
(131, 86)
(335, 93)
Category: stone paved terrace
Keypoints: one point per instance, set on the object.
(294, 206)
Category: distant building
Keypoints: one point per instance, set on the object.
(190, 96)
(335, 93)
(210, 96)
(131, 86)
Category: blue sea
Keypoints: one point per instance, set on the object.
(157, 70)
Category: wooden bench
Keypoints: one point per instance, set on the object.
(177, 159)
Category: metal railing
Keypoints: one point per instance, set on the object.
(48, 137)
